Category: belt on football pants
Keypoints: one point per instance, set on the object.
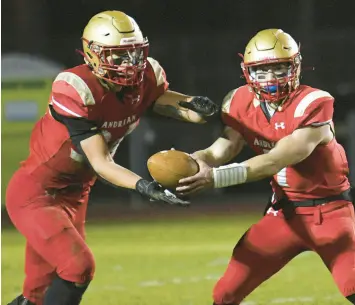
(347, 195)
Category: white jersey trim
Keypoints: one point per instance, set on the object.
(318, 124)
(65, 108)
(256, 102)
(309, 99)
(226, 104)
(76, 156)
(158, 71)
(281, 177)
(79, 85)
(132, 127)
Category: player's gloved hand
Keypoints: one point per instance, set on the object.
(154, 191)
(202, 105)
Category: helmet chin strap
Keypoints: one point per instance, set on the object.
(278, 105)
(109, 86)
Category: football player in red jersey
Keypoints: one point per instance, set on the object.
(290, 128)
(92, 107)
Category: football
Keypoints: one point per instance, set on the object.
(167, 167)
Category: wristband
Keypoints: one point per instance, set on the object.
(230, 174)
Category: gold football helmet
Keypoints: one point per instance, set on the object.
(272, 52)
(115, 49)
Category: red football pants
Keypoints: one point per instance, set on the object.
(53, 226)
(270, 244)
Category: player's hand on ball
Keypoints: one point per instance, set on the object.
(154, 191)
(202, 105)
(201, 181)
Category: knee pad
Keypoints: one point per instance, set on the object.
(80, 268)
(351, 298)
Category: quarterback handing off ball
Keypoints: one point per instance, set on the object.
(167, 167)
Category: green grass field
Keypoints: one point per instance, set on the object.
(174, 262)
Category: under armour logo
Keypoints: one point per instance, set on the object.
(280, 125)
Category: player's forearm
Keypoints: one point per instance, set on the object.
(167, 105)
(116, 174)
(206, 156)
(98, 155)
(288, 151)
(261, 167)
(254, 169)
(221, 151)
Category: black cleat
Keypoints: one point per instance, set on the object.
(21, 300)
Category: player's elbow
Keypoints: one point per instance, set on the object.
(299, 155)
(274, 163)
(100, 165)
(277, 163)
(274, 166)
(298, 158)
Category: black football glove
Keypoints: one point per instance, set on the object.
(154, 191)
(202, 105)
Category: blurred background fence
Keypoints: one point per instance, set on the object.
(197, 44)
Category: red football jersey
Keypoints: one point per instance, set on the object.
(77, 93)
(324, 172)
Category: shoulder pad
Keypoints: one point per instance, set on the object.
(308, 99)
(75, 82)
(158, 71)
(227, 100)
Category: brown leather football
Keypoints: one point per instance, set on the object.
(169, 166)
